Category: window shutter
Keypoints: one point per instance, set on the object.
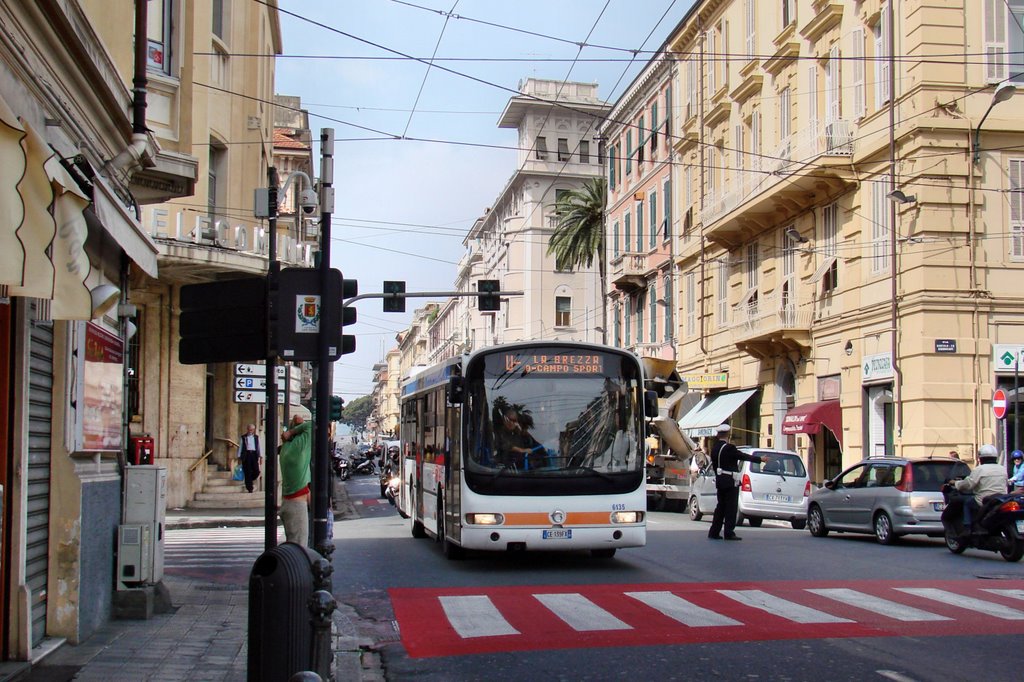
(755, 140)
(1016, 208)
(751, 21)
(995, 40)
(832, 89)
(812, 95)
(712, 62)
(857, 62)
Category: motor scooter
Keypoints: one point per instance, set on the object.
(998, 526)
(340, 466)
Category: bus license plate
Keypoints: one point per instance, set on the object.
(772, 497)
(558, 534)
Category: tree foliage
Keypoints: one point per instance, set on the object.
(356, 413)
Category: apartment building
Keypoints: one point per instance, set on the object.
(852, 240)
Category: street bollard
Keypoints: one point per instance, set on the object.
(280, 632)
(322, 605)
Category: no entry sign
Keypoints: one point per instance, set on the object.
(999, 403)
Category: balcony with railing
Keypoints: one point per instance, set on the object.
(813, 160)
(628, 271)
(775, 323)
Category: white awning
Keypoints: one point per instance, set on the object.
(712, 411)
(122, 225)
(823, 268)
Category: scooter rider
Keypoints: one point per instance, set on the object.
(988, 478)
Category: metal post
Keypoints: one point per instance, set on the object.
(321, 606)
(270, 452)
(1016, 405)
(321, 470)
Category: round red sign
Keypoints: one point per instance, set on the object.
(999, 403)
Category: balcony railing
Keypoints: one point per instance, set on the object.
(793, 154)
(770, 315)
(629, 270)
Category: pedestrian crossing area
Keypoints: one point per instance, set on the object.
(222, 554)
(459, 621)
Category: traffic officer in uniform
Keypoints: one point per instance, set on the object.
(725, 459)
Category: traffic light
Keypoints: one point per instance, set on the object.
(394, 305)
(337, 405)
(349, 289)
(491, 302)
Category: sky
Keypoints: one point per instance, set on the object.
(418, 155)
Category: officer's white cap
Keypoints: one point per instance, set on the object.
(723, 428)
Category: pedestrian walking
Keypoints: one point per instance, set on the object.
(295, 455)
(725, 458)
(250, 456)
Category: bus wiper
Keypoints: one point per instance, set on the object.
(501, 472)
(592, 470)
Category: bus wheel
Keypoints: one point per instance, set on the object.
(602, 553)
(418, 531)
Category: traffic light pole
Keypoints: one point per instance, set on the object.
(322, 543)
(273, 427)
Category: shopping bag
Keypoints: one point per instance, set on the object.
(238, 475)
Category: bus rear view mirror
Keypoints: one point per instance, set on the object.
(651, 404)
(455, 391)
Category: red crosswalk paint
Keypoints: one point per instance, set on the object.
(458, 621)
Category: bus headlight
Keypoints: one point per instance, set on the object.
(627, 517)
(485, 519)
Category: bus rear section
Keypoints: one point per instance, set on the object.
(544, 452)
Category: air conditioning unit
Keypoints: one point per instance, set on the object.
(134, 555)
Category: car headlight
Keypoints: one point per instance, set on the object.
(627, 517)
(484, 519)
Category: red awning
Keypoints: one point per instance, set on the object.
(810, 417)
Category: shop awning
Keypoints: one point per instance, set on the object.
(712, 411)
(810, 417)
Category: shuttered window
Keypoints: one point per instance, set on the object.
(1017, 209)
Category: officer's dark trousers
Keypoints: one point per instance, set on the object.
(725, 512)
(251, 468)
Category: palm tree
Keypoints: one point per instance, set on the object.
(579, 236)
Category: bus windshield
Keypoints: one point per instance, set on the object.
(546, 420)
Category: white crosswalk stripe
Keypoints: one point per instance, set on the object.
(680, 610)
(963, 602)
(1012, 594)
(475, 616)
(878, 605)
(782, 608)
(580, 613)
(213, 547)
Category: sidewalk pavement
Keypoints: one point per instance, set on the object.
(205, 636)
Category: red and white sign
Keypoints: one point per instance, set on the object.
(999, 403)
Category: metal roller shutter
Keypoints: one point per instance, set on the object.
(40, 409)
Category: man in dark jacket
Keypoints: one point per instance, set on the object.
(725, 459)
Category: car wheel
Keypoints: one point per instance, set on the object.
(754, 521)
(816, 522)
(607, 553)
(798, 524)
(695, 513)
(883, 529)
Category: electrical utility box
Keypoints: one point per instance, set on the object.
(134, 555)
(145, 506)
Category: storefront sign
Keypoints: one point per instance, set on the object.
(1006, 356)
(706, 381)
(876, 368)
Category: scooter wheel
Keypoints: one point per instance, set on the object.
(953, 543)
(1013, 547)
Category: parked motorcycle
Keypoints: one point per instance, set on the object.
(340, 466)
(997, 527)
(362, 466)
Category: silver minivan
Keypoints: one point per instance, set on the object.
(777, 489)
(887, 496)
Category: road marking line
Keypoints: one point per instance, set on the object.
(884, 607)
(1012, 594)
(969, 603)
(475, 616)
(680, 610)
(580, 613)
(781, 607)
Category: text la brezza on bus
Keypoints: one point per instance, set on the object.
(527, 446)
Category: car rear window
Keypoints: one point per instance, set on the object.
(779, 463)
(929, 476)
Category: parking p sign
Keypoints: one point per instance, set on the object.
(999, 403)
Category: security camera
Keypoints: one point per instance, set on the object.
(308, 200)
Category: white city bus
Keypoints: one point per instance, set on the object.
(570, 476)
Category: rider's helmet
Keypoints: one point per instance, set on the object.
(987, 454)
(1017, 454)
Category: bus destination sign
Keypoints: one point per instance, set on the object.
(555, 363)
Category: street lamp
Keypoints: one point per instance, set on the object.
(900, 197)
(1003, 92)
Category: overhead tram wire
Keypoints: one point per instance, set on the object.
(426, 73)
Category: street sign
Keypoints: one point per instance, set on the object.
(251, 370)
(257, 383)
(256, 397)
(999, 403)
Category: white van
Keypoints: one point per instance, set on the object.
(777, 489)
